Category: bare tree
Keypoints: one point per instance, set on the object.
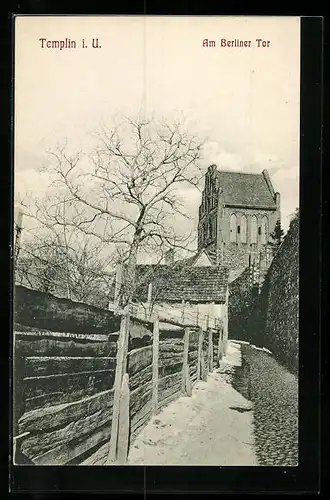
(59, 258)
(126, 192)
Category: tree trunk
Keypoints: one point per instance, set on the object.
(129, 274)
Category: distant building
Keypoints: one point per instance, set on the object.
(184, 291)
(237, 214)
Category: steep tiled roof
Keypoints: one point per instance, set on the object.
(174, 284)
(245, 189)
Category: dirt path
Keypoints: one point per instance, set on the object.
(212, 427)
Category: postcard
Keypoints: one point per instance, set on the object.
(156, 240)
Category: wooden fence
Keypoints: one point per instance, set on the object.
(75, 394)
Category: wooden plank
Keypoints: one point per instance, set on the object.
(120, 370)
(172, 334)
(186, 387)
(192, 356)
(210, 351)
(64, 453)
(164, 356)
(203, 366)
(169, 380)
(44, 310)
(41, 442)
(171, 395)
(169, 368)
(38, 333)
(199, 356)
(139, 359)
(124, 425)
(155, 357)
(172, 389)
(60, 415)
(172, 347)
(142, 377)
(219, 357)
(91, 382)
(140, 397)
(54, 347)
(140, 419)
(51, 365)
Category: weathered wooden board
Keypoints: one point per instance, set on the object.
(169, 380)
(41, 442)
(62, 387)
(140, 397)
(193, 337)
(60, 415)
(192, 356)
(137, 343)
(69, 347)
(168, 368)
(65, 453)
(140, 419)
(39, 333)
(170, 394)
(171, 334)
(52, 365)
(139, 359)
(168, 343)
(44, 310)
(164, 355)
(141, 378)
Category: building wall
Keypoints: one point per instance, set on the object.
(271, 318)
(215, 231)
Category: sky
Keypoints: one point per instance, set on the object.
(244, 101)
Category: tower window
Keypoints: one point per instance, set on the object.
(233, 222)
(264, 230)
(238, 229)
(259, 230)
(253, 237)
(244, 227)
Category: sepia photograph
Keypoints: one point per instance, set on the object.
(156, 241)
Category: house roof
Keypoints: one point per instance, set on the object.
(246, 189)
(190, 261)
(181, 282)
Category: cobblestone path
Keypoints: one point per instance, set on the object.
(274, 394)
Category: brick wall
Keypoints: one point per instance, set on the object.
(270, 319)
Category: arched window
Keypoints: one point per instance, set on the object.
(254, 229)
(264, 230)
(243, 228)
(233, 222)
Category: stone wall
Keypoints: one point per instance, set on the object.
(270, 319)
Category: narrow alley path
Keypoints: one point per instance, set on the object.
(212, 427)
(273, 391)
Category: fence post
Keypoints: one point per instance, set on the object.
(155, 358)
(220, 347)
(186, 385)
(200, 354)
(120, 369)
(210, 351)
(118, 282)
(183, 312)
(123, 431)
(149, 300)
